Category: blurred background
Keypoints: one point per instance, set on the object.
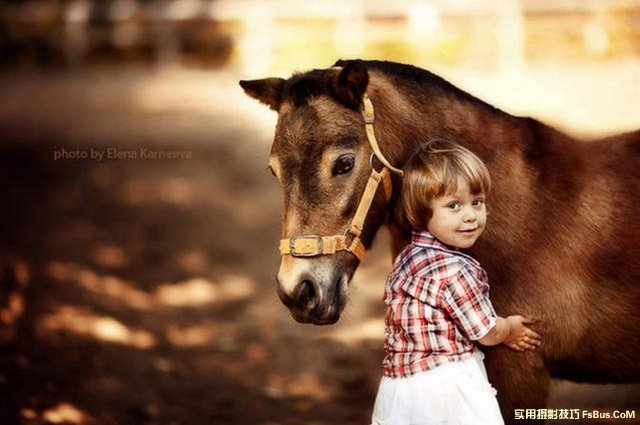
(138, 223)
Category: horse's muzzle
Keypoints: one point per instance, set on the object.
(313, 297)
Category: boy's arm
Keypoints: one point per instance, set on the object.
(512, 332)
(467, 302)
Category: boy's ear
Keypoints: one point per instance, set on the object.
(348, 86)
(267, 91)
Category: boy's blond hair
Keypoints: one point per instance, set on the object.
(433, 171)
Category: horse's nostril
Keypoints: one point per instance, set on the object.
(286, 300)
(306, 294)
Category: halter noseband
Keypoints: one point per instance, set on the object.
(311, 245)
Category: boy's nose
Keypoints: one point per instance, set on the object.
(470, 215)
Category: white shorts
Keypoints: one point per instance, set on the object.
(456, 393)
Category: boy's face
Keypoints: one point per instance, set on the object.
(458, 219)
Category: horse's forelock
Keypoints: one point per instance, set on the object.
(303, 87)
(345, 84)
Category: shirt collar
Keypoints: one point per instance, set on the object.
(427, 240)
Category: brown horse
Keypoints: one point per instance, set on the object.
(562, 244)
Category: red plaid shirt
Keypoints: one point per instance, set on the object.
(438, 305)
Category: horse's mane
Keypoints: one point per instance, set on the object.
(412, 80)
(404, 71)
(421, 78)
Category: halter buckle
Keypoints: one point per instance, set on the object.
(303, 246)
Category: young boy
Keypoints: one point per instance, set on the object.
(438, 299)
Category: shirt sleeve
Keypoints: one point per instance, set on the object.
(465, 298)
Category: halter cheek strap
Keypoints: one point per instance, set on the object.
(369, 119)
(312, 245)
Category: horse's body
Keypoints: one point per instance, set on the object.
(562, 240)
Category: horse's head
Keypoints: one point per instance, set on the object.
(322, 159)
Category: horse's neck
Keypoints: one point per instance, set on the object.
(399, 238)
(407, 121)
(409, 117)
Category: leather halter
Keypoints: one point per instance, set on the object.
(312, 245)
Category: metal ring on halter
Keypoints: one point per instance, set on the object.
(373, 155)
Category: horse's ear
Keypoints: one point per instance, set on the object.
(267, 91)
(349, 85)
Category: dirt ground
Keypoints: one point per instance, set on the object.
(142, 291)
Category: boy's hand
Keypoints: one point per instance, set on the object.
(521, 337)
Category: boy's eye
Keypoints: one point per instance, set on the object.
(453, 205)
(478, 202)
(343, 165)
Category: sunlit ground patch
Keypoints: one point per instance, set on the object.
(201, 334)
(301, 385)
(108, 255)
(200, 291)
(195, 292)
(106, 285)
(355, 334)
(14, 281)
(12, 310)
(89, 324)
(63, 413)
(192, 261)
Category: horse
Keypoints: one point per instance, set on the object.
(561, 244)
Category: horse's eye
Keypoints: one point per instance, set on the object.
(272, 171)
(343, 165)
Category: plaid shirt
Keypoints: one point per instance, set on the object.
(438, 305)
